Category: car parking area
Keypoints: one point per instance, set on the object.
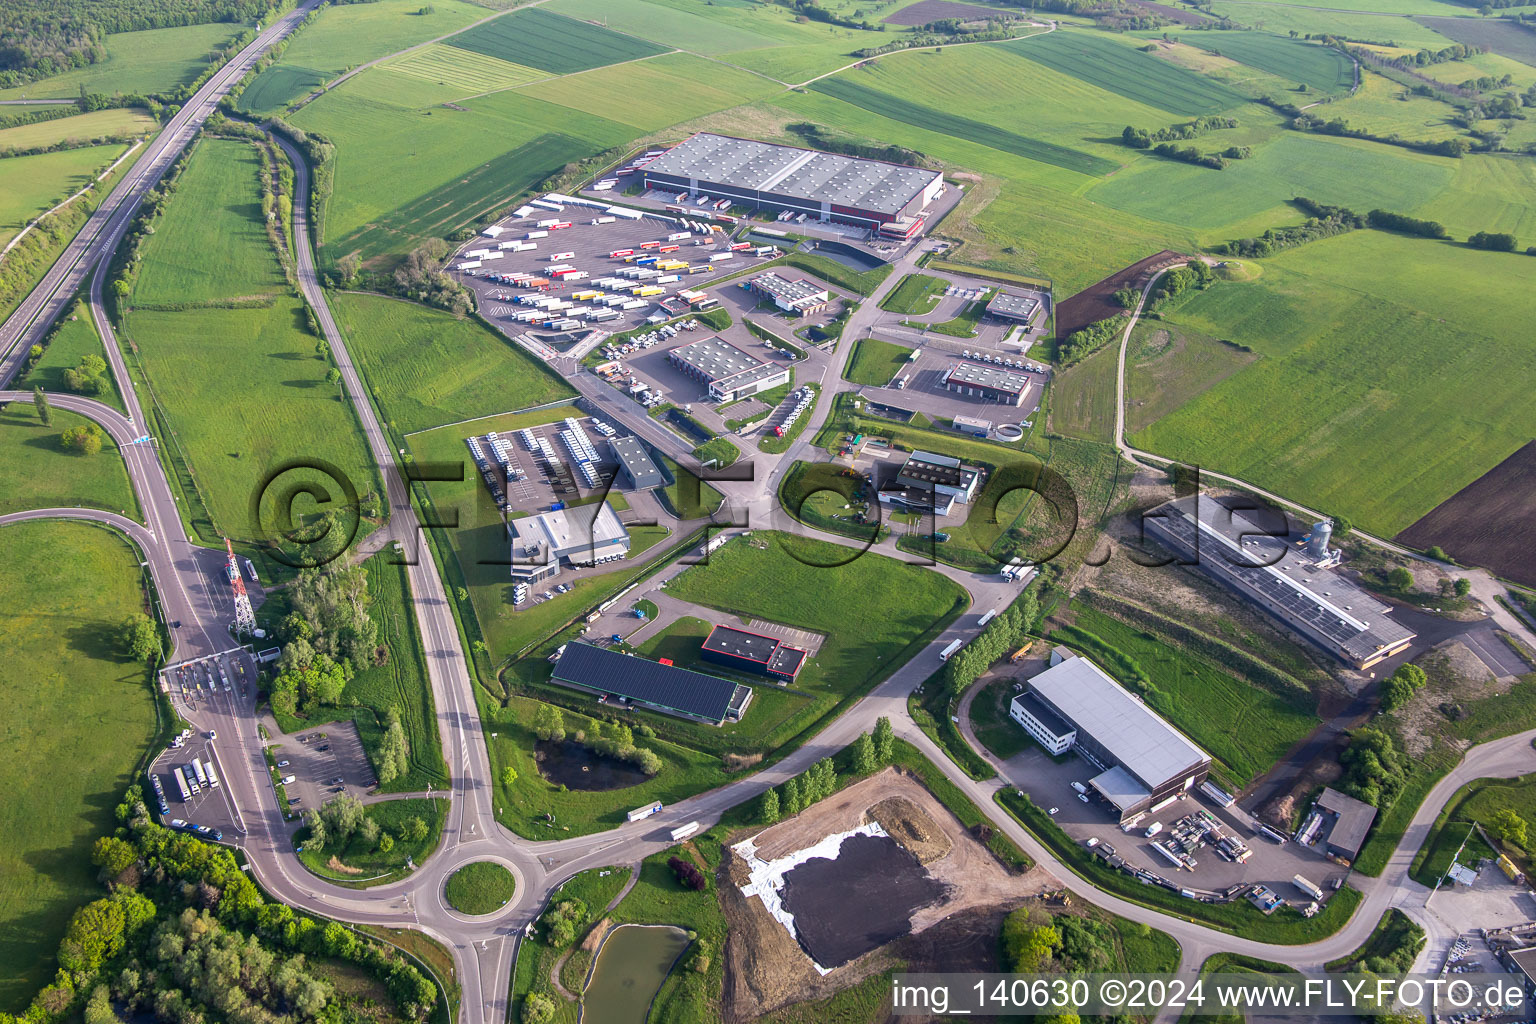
(803, 638)
(323, 762)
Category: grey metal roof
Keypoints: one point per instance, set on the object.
(803, 174)
(637, 462)
(793, 291)
(1352, 820)
(1236, 546)
(768, 651)
(1117, 786)
(927, 468)
(714, 358)
(1054, 723)
(996, 377)
(569, 533)
(1020, 307)
(1133, 734)
(650, 682)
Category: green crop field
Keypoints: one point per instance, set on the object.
(70, 699)
(408, 168)
(243, 390)
(1317, 66)
(114, 121)
(1166, 366)
(1083, 397)
(400, 683)
(1488, 193)
(39, 472)
(947, 122)
(137, 63)
(655, 93)
(875, 362)
(1116, 67)
(464, 70)
(75, 339)
(30, 185)
(346, 35)
(1383, 107)
(539, 39)
(1404, 31)
(427, 368)
(279, 86)
(1248, 729)
(1386, 382)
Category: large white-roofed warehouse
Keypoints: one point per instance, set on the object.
(826, 186)
(1143, 761)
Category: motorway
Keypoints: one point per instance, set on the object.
(189, 582)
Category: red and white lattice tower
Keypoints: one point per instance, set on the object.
(245, 616)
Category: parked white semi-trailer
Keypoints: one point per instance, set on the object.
(948, 652)
(684, 831)
(1307, 887)
(468, 265)
(991, 614)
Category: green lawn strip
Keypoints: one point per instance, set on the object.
(400, 683)
(1395, 939)
(536, 955)
(823, 495)
(372, 865)
(934, 714)
(1230, 963)
(72, 339)
(876, 362)
(38, 471)
(962, 326)
(1246, 729)
(552, 42)
(915, 293)
(688, 497)
(482, 887)
(1286, 926)
(78, 715)
(999, 733)
(719, 451)
(426, 367)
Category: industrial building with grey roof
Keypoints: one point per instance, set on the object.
(727, 371)
(1283, 575)
(993, 383)
(1143, 761)
(638, 466)
(826, 185)
(1009, 306)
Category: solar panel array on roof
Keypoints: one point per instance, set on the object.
(1238, 550)
(797, 173)
(679, 690)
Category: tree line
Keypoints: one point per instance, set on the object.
(185, 936)
(611, 739)
(869, 752)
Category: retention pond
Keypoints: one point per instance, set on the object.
(569, 764)
(631, 965)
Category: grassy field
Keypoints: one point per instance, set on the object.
(39, 472)
(113, 121)
(551, 42)
(989, 720)
(479, 888)
(243, 390)
(1318, 67)
(401, 683)
(408, 168)
(75, 339)
(1245, 728)
(915, 293)
(371, 866)
(1083, 397)
(655, 93)
(1477, 801)
(1370, 344)
(463, 70)
(427, 368)
(1168, 365)
(71, 699)
(281, 84)
(1117, 67)
(898, 108)
(30, 185)
(137, 63)
(875, 362)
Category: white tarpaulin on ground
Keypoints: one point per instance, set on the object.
(765, 879)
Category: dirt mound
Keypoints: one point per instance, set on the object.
(906, 823)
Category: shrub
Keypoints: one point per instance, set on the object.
(688, 874)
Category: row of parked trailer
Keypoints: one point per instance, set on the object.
(501, 450)
(802, 397)
(997, 360)
(194, 777)
(582, 453)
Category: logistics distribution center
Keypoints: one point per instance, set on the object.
(628, 679)
(1295, 584)
(989, 383)
(874, 194)
(727, 371)
(1143, 761)
(541, 542)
